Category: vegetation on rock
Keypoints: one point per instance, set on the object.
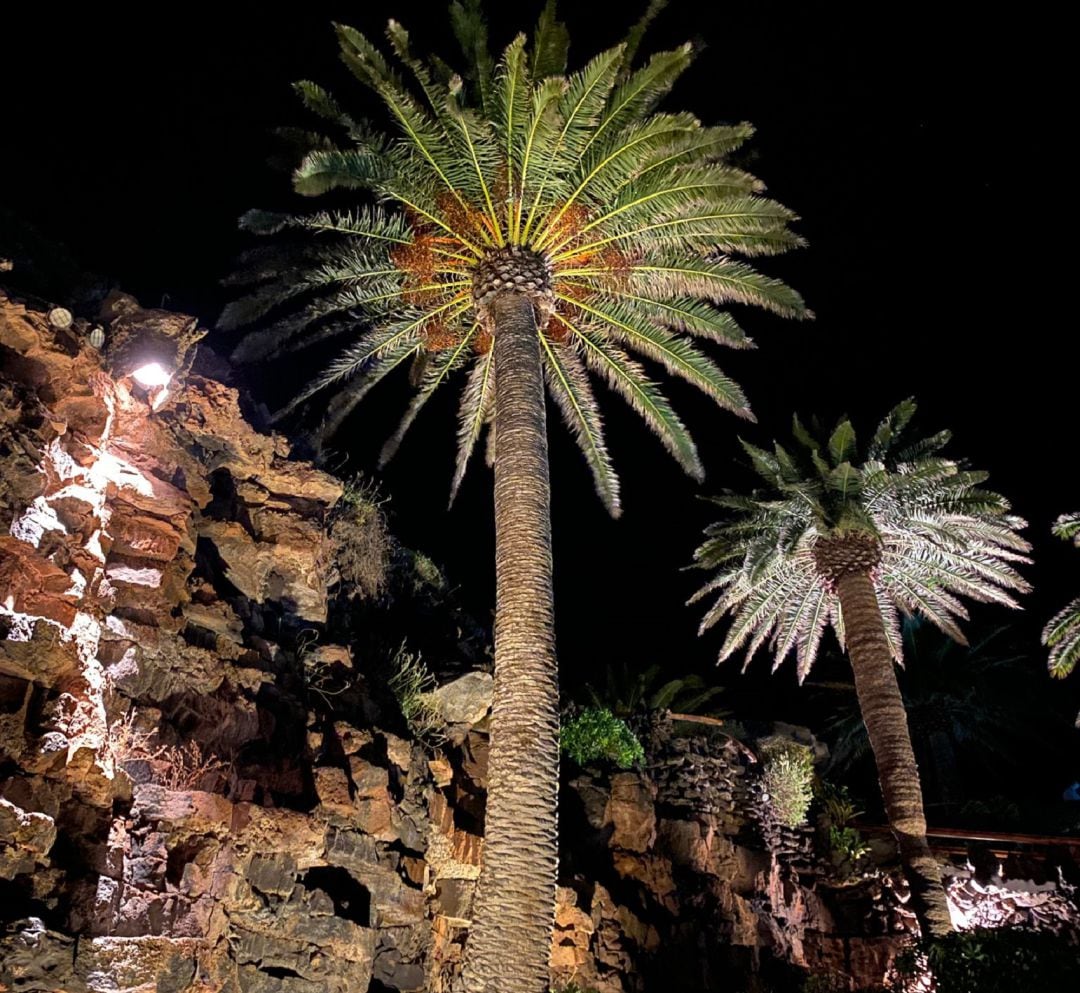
(412, 684)
(787, 779)
(989, 960)
(845, 844)
(362, 543)
(597, 735)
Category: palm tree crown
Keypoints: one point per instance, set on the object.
(925, 525)
(621, 221)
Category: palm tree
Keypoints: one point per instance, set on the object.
(1062, 634)
(528, 226)
(854, 539)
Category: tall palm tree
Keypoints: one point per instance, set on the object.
(524, 226)
(853, 539)
(1062, 634)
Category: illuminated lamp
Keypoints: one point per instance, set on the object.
(152, 347)
(152, 374)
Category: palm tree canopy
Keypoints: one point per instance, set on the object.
(634, 216)
(939, 534)
(1062, 634)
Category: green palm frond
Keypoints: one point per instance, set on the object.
(1062, 633)
(944, 539)
(644, 225)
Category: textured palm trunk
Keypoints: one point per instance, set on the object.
(886, 723)
(509, 944)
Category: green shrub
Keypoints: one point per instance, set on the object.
(426, 573)
(845, 843)
(596, 734)
(787, 779)
(992, 960)
(412, 684)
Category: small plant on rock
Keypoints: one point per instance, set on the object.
(846, 845)
(412, 684)
(787, 780)
(129, 740)
(597, 735)
(188, 766)
(328, 678)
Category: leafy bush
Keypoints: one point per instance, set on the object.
(787, 779)
(426, 573)
(991, 960)
(412, 684)
(596, 734)
(845, 843)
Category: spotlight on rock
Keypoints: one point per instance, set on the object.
(154, 348)
(152, 374)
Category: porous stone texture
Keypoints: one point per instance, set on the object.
(466, 700)
(205, 786)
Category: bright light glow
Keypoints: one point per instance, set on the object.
(152, 374)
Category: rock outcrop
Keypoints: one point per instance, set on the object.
(170, 799)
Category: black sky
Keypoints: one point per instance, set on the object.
(922, 148)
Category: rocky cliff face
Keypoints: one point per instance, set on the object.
(175, 814)
(205, 784)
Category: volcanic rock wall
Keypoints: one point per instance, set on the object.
(206, 786)
(173, 817)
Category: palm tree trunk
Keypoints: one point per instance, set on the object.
(886, 723)
(509, 944)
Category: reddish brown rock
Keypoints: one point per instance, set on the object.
(630, 812)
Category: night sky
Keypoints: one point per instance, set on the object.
(919, 148)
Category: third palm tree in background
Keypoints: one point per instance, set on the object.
(851, 539)
(1062, 634)
(522, 226)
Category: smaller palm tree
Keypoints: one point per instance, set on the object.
(853, 539)
(1062, 634)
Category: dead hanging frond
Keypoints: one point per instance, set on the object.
(362, 543)
(186, 766)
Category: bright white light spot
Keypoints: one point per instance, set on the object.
(152, 374)
(134, 576)
(159, 399)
